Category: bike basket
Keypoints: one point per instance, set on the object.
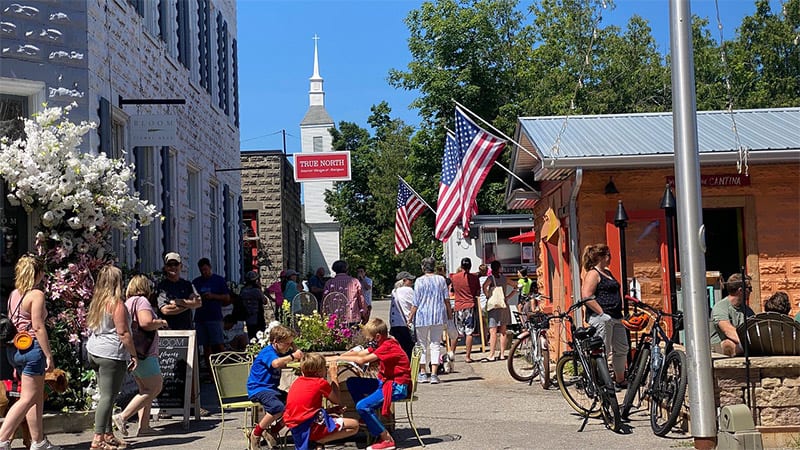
(678, 318)
(540, 321)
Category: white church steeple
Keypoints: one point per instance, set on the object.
(316, 96)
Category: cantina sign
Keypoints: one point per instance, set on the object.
(720, 180)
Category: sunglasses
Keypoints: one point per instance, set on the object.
(173, 264)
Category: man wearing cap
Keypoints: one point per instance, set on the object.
(466, 289)
(351, 288)
(176, 296)
(208, 318)
(402, 301)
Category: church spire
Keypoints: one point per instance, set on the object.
(316, 96)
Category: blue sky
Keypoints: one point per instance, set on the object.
(360, 40)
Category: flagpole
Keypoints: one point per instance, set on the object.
(415, 193)
(496, 130)
(510, 172)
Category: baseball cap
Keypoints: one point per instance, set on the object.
(251, 275)
(172, 256)
(405, 276)
(290, 272)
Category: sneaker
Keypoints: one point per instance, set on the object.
(382, 445)
(434, 379)
(422, 378)
(44, 445)
(255, 441)
(120, 424)
(5, 445)
(147, 432)
(272, 441)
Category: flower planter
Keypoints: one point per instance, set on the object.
(70, 422)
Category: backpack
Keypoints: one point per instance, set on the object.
(7, 328)
(239, 309)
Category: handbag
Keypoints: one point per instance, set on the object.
(142, 339)
(497, 299)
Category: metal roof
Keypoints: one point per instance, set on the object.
(645, 139)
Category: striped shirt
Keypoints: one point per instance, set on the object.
(430, 293)
(351, 288)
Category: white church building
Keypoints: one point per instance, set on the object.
(321, 231)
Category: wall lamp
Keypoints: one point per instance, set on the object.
(611, 188)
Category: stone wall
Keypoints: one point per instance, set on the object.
(268, 187)
(775, 387)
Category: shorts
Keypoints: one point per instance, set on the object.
(465, 321)
(319, 430)
(209, 333)
(499, 317)
(29, 362)
(274, 402)
(148, 367)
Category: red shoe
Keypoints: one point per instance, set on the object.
(382, 445)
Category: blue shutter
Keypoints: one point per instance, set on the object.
(166, 193)
(226, 237)
(104, 129)
(241, 237)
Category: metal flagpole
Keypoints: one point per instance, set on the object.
(495, 129)
(509, 171)
(690, 227)
(415, 193)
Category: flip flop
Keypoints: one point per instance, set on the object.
(469, 361)
(487, 360)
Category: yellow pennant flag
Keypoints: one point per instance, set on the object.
(550, 225)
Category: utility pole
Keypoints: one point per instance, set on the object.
(691, 231)
(283, 132)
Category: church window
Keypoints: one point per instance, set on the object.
(317, 143)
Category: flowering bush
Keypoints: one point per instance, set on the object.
(319, 332)
(79, 198)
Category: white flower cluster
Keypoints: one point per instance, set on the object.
(80, 196)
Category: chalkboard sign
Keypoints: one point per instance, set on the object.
(177, 356)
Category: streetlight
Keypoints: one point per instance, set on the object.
(668, 205)
(621, 222)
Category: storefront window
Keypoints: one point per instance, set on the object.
(13, 219)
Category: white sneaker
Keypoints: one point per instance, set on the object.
(434, 378)
(120, 424)
(44, 445)
(5, 445)
(422, 378)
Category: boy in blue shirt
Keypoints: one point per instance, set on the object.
(263, 382)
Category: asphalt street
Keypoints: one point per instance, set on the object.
(479, 406)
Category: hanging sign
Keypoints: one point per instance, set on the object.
(719, 180)
(154, 130)
(325, 166)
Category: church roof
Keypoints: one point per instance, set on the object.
(317, 115)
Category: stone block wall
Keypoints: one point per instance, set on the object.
(775, 387)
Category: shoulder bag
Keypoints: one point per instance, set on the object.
(497, 298)
(142, 339)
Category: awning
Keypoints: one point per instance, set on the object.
(524, 238)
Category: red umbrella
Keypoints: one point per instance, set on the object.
(524, 238)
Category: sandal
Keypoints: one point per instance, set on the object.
(487, 360)
(102, 445)
(469, 361)
(116, 443)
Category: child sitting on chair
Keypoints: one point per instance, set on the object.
(263, 382)
(304, 415)
(393, 383)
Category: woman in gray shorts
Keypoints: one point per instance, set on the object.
(499, 318)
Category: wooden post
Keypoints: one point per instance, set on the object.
(483, 333)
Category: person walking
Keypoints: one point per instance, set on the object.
(605, 311)
(356, 311)
(499, 318)
(466, 290)
(148, 371)
(110, 347)
(27, 311)
(402, 301)
(430, 309)
(214, 293)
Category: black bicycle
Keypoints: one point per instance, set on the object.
(583, 376)
(650, 374)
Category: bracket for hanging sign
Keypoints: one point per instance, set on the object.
(151, 101)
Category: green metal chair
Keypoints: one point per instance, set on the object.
(230, 371)
(416, 355)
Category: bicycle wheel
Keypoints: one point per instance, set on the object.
(573, 384)
(668, 393)
(608, 395)
(521, 364)
(641, 364)
(544, 370)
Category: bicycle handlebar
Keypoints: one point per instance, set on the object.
(640, 304)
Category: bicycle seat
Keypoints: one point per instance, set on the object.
(587, 332)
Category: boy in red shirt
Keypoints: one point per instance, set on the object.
(304, 415)
(393, 383)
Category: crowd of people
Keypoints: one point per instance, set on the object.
(426, 311)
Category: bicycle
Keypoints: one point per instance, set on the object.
(583, 376)
(529, 357)
(666, 377)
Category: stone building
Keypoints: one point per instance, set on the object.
(273, 238)
(105, 55)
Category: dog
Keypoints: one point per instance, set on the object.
(55, 381)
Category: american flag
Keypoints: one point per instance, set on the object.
(468, 156)
(409, 207)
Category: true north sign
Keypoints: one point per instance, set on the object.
(326, 166)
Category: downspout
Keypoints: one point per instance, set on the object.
(574, 251)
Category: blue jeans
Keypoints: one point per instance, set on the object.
(367, 394)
